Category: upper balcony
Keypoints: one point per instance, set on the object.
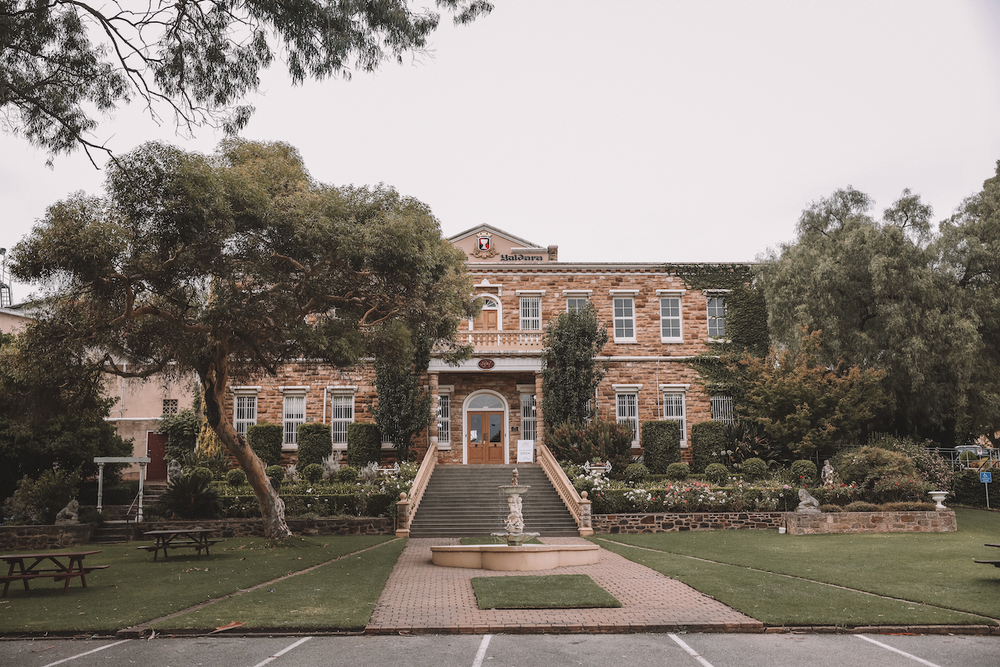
(504, 341)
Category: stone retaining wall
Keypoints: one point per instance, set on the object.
(942, 521)
(670, 522)
(33, 538)
(255, 527)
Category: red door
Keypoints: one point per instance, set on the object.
(156, 449)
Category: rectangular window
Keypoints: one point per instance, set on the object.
(716, 317)
(624, 319)
(628, 413)
(575, 304)
(170, 406)
(341, 414)
(673, 409)
(444, 419)
(670, 319)
(722, 409)
(294, 414)
(529, 418)
(531, 313)
(245, 413)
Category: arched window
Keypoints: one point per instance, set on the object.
(485, 402)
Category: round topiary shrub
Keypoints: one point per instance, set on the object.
(236, 478)
(804, 472)
(201, 474)
(276, 473)
(636, 473)
(716, 473)
(861, 506)
(678, 471)
(312, 473)
(348, 474)
(754, 469)
(831, 508)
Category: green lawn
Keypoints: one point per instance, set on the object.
(554, 591)
(135, 589)
(932, 573)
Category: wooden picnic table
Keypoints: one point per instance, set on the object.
(62, 566)
(175, 538)
(994, 563)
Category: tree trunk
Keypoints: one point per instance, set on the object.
(272, 507)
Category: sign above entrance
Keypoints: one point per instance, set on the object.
(487, 364)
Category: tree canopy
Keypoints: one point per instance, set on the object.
(888, 295)
(570, 370)
(61, 60)
(227, 266)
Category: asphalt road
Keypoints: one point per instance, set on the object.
(638, 650)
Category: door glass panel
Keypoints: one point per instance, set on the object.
(475, 428)
(496, 426)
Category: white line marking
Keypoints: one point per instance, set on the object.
(282, 652)
(691, 651)
(481, 653)
(99, 648)
(896, 650)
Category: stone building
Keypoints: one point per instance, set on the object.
(489, 403)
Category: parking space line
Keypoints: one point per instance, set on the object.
(896, 650)
(282, 652)
(74, 657)
(690, 651)
(481, 653)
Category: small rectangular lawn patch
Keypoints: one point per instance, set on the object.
(555, 591)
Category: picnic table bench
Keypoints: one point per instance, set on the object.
(994, 563)
(198, 538)
(63, 567)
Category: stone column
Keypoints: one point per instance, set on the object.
(539, 421)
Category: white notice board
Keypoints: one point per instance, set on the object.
(525, 451)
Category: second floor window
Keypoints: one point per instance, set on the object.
(624, 318)
(716, 317)
(531, 313)
(670, 318)
(575, 304)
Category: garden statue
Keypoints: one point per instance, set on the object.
(807, 504)
(69, 515)
(174, 470)
(828, 474)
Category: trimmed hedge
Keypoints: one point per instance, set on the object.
(351, 504)
(315, 443)
(265, 440)
(661, 445)
(364, 444)
(707, 438)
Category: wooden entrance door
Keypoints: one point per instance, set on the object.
(486, 320)
(156, 448)
(485, 437)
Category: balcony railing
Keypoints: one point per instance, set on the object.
(505, 340)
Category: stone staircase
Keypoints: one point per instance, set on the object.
(121, 530)
(464, 501)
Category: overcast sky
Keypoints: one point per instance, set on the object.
(629, 130)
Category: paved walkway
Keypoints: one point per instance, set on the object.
(423, 598)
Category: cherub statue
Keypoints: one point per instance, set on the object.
(828, 474)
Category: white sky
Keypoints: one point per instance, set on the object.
(629, 131)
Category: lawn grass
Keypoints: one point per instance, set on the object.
(933, 572)
(337, 596)
(136, 589)
(557, 591)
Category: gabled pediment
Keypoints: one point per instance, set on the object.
(486, 243)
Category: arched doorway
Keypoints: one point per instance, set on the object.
(485, 419)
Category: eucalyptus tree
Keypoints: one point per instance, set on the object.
(63, 60)
(227, 266)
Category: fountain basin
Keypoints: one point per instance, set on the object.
(514, 559)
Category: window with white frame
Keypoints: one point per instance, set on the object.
(575, 304)
(244, 411)
(294, 415)
(670, 319)
(673, 410)
(531, 313)
(341, 415)
(722, 409)
(627, 408)
(624, 318)
(716, 317)
(444, 420)
(529, 417)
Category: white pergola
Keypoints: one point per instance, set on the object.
(102, 460)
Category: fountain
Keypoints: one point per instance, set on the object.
(515, 555)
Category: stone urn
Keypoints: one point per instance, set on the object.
(938, 497)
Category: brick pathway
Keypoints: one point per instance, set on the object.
(423, 598)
